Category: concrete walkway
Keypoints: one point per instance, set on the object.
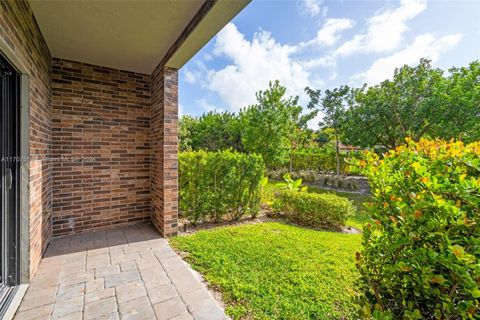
(128, 273)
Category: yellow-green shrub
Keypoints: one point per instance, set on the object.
(216, 184)
(323, 211)
(421, 257)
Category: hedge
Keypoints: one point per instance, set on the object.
(321, 211)
(218, 185)
(421, 257)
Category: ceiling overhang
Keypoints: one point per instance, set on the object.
(133, 35)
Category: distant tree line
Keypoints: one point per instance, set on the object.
(419, 101)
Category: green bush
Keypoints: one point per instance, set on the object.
(421, 257)
(323, 211)
(216, 184)
(320, 160)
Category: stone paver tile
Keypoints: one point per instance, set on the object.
(49, 268)
(183, 316)
(184, 281)
(133, 256)
(196, 296)
(148, 262)
(152, 272)
(97, 261)
(76, 257)
(75, 278)
(103, 271)
(128, 265)
(136, 247)
(116, 251)
(154, 277)
(42, 312)
(69, 292)
(121, 278)
(71, 316)
(73, 268)
(100, 308)
(99, 295)
(138, 309)
(158, 243)
(63, 308)
(207, 310)
(164, 253)
(44, 281)
(117, 241)
(95, 285)
(172, 263)
(170, 308)
(95, 252)
(162, 293)
(35, 299)
(130, 291)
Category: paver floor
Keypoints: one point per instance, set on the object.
(127, 273)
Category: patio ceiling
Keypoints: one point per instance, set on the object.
(131, 35)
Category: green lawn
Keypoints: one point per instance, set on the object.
(277, 271)
(358, 199)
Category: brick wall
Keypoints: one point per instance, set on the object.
(164, 137)
(104, 114)
(115, 117)
(19, 30)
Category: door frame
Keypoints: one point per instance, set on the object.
(24, 202)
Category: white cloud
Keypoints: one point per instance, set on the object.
(329, 34)
(385, 29)
(190, 77)
(254, 64)
(424, 46)
(312, 7)
(206, 106)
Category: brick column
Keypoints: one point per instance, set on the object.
(164, 142)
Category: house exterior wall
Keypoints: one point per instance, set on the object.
(125, 122)
(102, 114)
(21, 34)
(164, 137)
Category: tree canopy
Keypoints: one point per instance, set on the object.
(419, 101)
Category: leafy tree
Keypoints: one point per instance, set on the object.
(212, 131)
(268, 126)
(461, 102)
(420, 101)
(333, 105)
(186, 126)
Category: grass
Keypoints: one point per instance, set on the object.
(356, 221)
(277, 271)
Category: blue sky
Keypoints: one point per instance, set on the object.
(323, 44)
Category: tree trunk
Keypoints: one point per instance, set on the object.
(291, 162)
(337, 154)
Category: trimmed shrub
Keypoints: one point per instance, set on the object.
(322, 160)
(320, 211)
(349, 183)
(421, 257)
(216, 184)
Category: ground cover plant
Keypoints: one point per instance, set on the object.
(277, 271)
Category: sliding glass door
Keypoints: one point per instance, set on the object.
(10, 171)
